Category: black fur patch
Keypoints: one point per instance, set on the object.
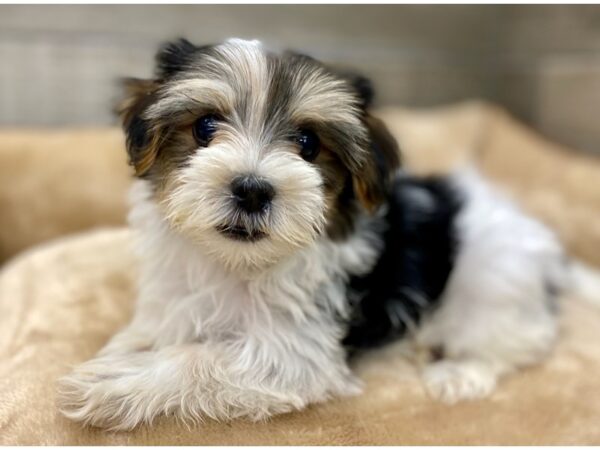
(174, 56)
(362, 85)
(412, 271)
(137, 134)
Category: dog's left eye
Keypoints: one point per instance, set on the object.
(309, 144)
(204, 129)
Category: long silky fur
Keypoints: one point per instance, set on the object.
(226, 329)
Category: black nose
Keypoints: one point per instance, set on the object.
(251, 193)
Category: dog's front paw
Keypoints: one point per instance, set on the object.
(452, 381)
(102, 393)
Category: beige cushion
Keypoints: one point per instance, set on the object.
(54, 182)
(61, 301)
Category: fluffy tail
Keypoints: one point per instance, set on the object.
(585, 282)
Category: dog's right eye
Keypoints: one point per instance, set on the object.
(309, 144)
(204, 129)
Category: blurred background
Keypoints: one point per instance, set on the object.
(59, 63)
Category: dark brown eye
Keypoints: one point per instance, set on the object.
(309, 144)
(204, 129)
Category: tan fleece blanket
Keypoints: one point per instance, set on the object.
(60, 301)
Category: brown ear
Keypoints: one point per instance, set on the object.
(372, 181)
(143, 139)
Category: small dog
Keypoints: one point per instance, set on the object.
(277, 235)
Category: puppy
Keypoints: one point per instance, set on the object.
(277, 236)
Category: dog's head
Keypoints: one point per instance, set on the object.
(253, 154)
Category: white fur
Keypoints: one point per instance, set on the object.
(206, 342)
(224, 328)
(228, 329)
(202, 200)
(495, 314)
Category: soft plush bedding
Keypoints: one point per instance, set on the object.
(62, 299)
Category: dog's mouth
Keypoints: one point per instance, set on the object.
(239, 233)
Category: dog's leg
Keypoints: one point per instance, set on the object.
(451, 380)
(195, 381)
(497, 315)
(484, 338)
(120, 391)
(498, 311)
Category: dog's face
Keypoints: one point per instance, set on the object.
(252, 154)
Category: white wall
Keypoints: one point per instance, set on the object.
(59, 64)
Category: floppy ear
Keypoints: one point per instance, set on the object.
(142, 140)
(143, 137)
(371, 182)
